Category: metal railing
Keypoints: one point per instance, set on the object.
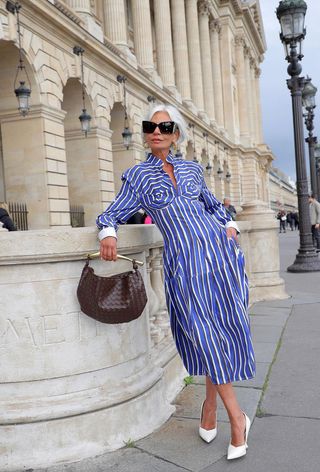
(19, 215)
(77, 216)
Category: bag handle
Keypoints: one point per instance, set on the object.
(135, 263)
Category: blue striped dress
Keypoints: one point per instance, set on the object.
(205, 281)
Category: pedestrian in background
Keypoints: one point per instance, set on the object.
(314, 207)
(282, 217)
(5, 218)
(230, 208)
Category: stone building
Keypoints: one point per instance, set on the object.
(283, 192)
(71, 388)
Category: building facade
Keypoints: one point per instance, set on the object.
(72, 388)
(283, 192)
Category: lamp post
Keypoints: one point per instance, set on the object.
(291, 15)
(126, 133)
(309, 103)
(84, 118)
(317, 161)
(23, 90)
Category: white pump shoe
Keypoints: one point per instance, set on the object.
(207, 435)
(234, 452)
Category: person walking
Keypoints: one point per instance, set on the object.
(314, 207)
(282, 217)
(206, 285)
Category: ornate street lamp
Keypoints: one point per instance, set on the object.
(84, 118)
(126, 133)
(291, 15)
(317, 159)
(22, 91)
(309, 103)
(228, 176)
(220, 173)
(209, 168)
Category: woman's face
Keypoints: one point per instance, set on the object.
(157, 141)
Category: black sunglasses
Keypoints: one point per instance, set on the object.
(166, 127)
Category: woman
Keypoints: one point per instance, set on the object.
(205, 283)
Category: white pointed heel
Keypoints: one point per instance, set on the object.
(234, 452)
(207, 435)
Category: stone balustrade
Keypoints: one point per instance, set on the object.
(71, 387)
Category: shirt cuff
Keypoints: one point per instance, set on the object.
(233, 224)
(105, 232)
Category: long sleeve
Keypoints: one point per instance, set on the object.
(125, 204)
(215, 208)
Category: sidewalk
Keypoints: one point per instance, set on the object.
(284, 396)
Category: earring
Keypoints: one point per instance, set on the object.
(174, 146)
(146, 145)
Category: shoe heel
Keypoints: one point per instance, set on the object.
(207, 435)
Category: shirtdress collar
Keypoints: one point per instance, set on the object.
(156, 161)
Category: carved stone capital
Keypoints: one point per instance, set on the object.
(215, 26)
(204, 7)
(257, 72)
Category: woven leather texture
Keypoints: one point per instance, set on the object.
(117, 299)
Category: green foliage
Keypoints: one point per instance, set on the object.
(188, 380)
(129, 443)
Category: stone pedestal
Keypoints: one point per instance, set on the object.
(70, 387)
(263, 259)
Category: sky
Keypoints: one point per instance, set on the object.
(275, 96)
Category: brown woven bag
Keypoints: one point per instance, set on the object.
(117, 299)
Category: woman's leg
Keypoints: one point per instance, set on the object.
(209, 413)
(236, 416)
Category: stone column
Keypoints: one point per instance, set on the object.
(227, 74)
(115, 23)
(194, 53)
(265, 281)
(242, 93)
(255, 116)
(216, 71)
(180, 49)
(83, 8)
(249, 94)
(164, 42)
(142, 33)
(258, 105)
(206, 62)
(80, 6)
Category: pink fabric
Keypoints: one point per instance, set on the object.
(148, 220)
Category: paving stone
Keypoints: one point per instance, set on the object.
(258, 309)
(271, 320)
(123, 460)
(293, 374)
(277, 444)
(264, 352)
(179, 442)
(266, 334)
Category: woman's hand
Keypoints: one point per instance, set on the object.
(108, 248)
(232, 233)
